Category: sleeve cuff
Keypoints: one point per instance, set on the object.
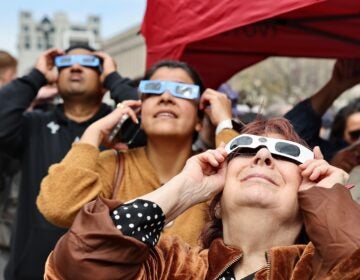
(36, 79)
(222, 125)
(141, 219)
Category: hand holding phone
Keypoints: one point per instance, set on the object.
(117, 128)
(128, 132)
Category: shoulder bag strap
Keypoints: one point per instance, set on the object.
(119, 170)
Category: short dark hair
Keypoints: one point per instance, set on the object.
(84, 46)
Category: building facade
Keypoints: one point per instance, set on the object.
(36, 36)
(129, 51)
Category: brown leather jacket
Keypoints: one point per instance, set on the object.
(95, 249)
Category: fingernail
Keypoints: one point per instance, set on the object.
(349, 186)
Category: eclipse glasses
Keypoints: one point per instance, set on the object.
(355, 134)
(84, 60)
(286, 149)
(181, 90)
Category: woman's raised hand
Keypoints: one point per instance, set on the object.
(204, 174)
(99, 131)
(202, 177)
(318, 172)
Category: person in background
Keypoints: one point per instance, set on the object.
(271, 195)
(8, 68)
(346, 128)
(39, 139)
(172, 108)
(8, 168)
(218, 110)
(306, 116)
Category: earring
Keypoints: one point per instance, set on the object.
(218, 211)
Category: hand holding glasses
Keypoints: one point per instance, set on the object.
(126, 131)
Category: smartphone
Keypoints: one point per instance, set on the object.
(128, 132)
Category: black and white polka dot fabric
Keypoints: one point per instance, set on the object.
(141, 219)
(229, 275)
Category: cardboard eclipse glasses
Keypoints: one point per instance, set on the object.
(285, 149)
(181, 90)
(84, 60)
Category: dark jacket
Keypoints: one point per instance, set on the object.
(101, 251)
(40, 139)
(307, 123)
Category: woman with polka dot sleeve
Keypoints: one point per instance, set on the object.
(271, 195)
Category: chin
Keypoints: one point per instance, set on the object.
(256, 195)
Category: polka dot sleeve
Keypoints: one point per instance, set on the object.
(141, 219)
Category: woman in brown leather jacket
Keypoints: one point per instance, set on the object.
(267, 191)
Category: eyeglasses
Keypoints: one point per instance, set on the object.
(181, 90)
(286, 149)
(84, 60)
(354, 135)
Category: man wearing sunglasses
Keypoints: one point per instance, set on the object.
(40, 139)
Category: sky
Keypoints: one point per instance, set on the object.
(116, 15)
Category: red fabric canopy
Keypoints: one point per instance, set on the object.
(219, 38)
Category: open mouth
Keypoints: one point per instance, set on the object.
(165, 114)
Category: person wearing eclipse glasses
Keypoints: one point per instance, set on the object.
(306, 116)
(274, 215)
(346, 129)
(170, 109)
(39, 139)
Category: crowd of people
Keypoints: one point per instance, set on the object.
(196, 193)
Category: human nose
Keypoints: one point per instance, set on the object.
(263, 157)
(166, 97)
(76, 66)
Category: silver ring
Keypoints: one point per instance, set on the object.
(120, 105)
